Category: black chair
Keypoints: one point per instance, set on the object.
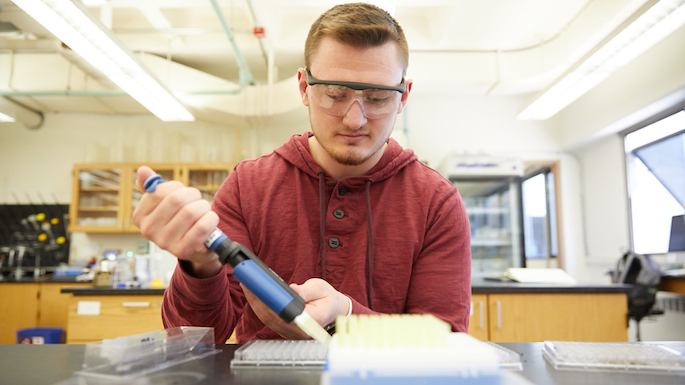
(644, 274)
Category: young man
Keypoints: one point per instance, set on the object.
(352, 221)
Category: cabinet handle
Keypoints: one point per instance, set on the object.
(499, 314)
(482, 314)
(135, 304)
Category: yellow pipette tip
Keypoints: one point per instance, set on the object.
(313, 329)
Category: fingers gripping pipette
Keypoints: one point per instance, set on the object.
(257, 277)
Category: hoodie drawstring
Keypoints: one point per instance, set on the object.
(369, 249)
(322, 222)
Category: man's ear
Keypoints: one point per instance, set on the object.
(302, 82)
(405, 95)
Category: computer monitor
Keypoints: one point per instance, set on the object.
(677, 241)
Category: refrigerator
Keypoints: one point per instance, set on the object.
(491, 189)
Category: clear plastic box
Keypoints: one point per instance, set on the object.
(614, 356)
(507, 359)
(129, 357)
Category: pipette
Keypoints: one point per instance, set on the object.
(258, 278)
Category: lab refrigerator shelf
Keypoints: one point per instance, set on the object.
(488, 210)
(490, 242)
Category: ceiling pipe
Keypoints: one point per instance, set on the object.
(29, 117)
(244, 73)
(256, 23)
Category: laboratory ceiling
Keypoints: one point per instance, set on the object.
(464, 47)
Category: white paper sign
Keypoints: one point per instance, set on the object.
(88, 308)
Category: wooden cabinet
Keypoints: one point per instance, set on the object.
(18, 309)
(104, 195)
(478, 321)
(534, 317)
(53, 306)
(93, 318)
(30, 305)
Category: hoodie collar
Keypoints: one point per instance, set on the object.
(296, 151)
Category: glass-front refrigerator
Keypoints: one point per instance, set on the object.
(494, 207)
(491, 188)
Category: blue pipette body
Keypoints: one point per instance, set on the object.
(249, 270)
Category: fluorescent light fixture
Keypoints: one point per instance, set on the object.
(73, 24)
(6, 118)
(651, 27)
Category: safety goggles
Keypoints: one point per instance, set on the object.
(336, 97)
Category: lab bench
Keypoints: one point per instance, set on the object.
(501, 312)
(29, 302)
(518, 312)
(97, 313)
(50, 364)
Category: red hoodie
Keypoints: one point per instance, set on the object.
(403, 219)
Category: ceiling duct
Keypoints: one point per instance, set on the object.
(244, 74)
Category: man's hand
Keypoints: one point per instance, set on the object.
(177, 219)
(323, 303)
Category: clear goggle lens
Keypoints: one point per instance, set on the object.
(337, 100)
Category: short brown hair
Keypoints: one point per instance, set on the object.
(359, 25)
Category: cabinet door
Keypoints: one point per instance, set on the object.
(96, 201)
(478, 321)
(116, 316)
(54, 305)
(18, 309)
(166, 171)
(588, 317)
(206, 177)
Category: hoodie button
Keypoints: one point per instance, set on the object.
(342, 190)
(334, 242)
(338, 213)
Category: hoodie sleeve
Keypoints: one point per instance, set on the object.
(441, 275)
(211, 302)
(207, 302)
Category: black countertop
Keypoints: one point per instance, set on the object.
(50, 364)
(107, 290)
(41, 279)
(478, 286)
(483, 286)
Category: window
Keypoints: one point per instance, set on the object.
(655, 165)
(539, 214)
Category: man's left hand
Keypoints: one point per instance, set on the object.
(323, 303)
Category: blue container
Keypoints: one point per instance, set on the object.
(40, 336)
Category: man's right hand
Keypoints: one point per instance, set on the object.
(177, 219)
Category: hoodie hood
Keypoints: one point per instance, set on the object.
(296, 151)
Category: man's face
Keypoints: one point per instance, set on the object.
(351, 139)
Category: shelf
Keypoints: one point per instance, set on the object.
(107, 191)
(207, 188)
(99, 209)
(491, 242)
(487, 210)
(99, 189)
